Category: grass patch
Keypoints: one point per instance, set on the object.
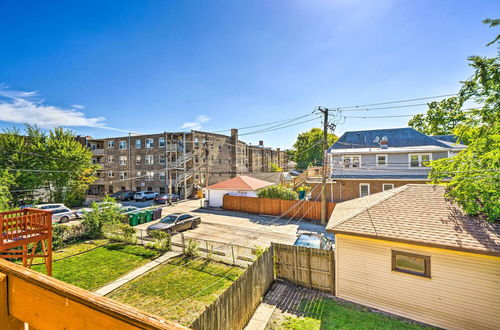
(179, 290)
(329, 314)
(99, 266)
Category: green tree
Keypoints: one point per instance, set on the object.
(6, 180)
(56, 161)
(278, 192)
(275, 168)
(472, 176)
(309, 147)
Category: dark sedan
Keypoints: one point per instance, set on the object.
(175, 222)
(163, 199)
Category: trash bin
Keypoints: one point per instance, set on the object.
(149, 215)
(199, 194)
(142, 217)
(133, 219)
(157, 214)
(302, 194)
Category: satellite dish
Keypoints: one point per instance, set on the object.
(384, 138)
(376, 139)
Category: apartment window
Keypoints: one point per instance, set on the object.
(110, 189)
(123, 145)
(111, 144)
(150, 175)
(138, 188)
(162, 190)
(162, 159)
(196, 143)
(150, 143)
(111, 174)
(196, 158)
(150, 159)
(381, 160)
(138, 144)
(150, 189)
(220, 147)
(161, 142)
(387, 186)
(229, 146)
(138, 160)
(364, 189)
(111, 159)
(162, 176)
(418, 160)
(138, 174)
(123, 175)
(123, 160)
(351, 161)
(411, 263)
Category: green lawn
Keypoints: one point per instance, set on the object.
(179, 290)
(330, 314)
(99, 266)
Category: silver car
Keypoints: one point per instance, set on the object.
(62, 215)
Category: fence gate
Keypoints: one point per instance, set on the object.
(309, 267)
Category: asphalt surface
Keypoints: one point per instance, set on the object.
(248, 230)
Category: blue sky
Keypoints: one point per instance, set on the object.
(151, 66)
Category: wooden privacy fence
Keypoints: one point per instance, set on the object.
(234, 308)
(297, 209)
(309, 267)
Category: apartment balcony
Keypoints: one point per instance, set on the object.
(98, 152)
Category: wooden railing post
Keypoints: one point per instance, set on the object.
(7, 321)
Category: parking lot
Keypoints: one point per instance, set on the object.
(238, 228)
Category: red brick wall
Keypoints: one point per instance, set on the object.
(344, 190)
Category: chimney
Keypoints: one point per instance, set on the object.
(261, 143)
(234, 152)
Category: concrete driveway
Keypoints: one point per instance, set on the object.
(249, 230)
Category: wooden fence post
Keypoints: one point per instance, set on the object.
(232, 251)
(7, 321)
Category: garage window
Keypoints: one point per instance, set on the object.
(411, 263)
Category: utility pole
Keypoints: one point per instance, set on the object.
(324, 205)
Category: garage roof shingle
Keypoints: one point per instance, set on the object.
(242, 182)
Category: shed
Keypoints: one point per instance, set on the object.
(239, 186)
(411, 252)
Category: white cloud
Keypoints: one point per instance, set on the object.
(24, 107)
(78, 106)
(196, 125)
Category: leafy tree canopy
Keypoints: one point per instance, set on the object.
(278, 192)
(474, 117)
(309, 147)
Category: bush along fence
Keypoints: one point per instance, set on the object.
(296, 209)
(234, 308)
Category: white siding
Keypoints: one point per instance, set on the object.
(462, 293)
(215, 197)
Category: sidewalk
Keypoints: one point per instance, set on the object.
(136, 273)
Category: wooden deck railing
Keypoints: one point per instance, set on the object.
(46, 303)
(27, 225)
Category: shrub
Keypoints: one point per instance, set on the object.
(63, 235)
(94, 219)
(119, 232)
(278, 192)
(192, 249)
(162, 241)
(258, 251)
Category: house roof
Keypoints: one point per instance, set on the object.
(395, 173)
(274, 177)
(242, 182)
(416, 214)
(396, 138)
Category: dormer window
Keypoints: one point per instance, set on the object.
(381, 160)
(419, 160)
(351, 161)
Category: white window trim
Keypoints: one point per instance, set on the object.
(120, 145)
(140, 144)
(151, 143)
(364, 184)
(111, 159)
(350, 160)
(384, 184)
(111, 174)
(122, 160)
(159, 142)
(111, 144)
(419, 159)
(386, 160)
(149, 160)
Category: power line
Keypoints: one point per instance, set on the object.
(278, 128)
(265, 124)
(393, 102)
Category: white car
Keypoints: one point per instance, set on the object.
(144, 195)
(100, 205)
(49, 206)
(62, 215)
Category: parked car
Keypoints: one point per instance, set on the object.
(79, 213)
(314, 240)
(124, 195)
(144, 195)
(162, 199)
(62, 215)
(175, 222)
(126, 209)
(49, 206)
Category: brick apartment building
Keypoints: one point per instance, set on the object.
(176, 161)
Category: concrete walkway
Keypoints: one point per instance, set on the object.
(136, 273)
(261, 317)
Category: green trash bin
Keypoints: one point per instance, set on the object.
(149, 215)
(133, 219)
(142, 217)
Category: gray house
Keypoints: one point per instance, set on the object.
(367, 162)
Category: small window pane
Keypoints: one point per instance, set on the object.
(414, 160)
(425, 160)
(414, 264)
(381, 160)
(355, 161)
